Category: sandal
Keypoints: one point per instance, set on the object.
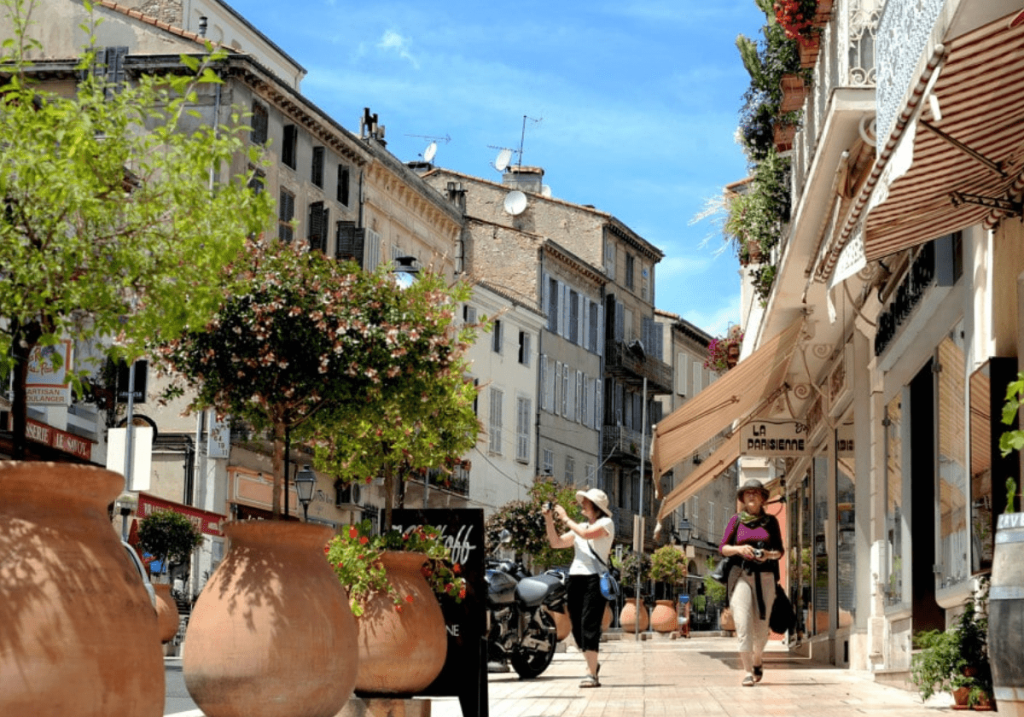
(590, 681)
(758, 672)
(748, 681)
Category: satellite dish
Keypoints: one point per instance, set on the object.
(545, 190)
(515, 202)
(504, 157)
(430, 151)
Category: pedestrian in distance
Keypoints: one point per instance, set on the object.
(590, 540)
(753, 541)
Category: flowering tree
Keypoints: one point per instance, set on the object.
(525, 524)
(369, 373)
(105, 198)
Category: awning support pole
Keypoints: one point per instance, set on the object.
(972, 153)
(1005, 205)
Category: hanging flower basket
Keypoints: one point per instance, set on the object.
(784, 136)
(809, 53)
(794, 92)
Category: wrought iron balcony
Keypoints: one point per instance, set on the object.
(623, 442)
(630, 367)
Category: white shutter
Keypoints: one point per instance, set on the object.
(556, 392)
(371, 249)
(598, 404)
(551, 386)
(697, 371)
(563, 325)
(542, 369)
(495, 422)
(683, 374)
(546, 306)
(570, 403)
(600, 330)
(580, 398)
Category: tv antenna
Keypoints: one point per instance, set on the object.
(428, 154)
(522, 137)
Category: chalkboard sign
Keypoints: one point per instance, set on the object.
(463, 531)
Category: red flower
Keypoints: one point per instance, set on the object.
(352, 532)
(457, 569)
(408, 599)
(398, 608)
(462, 593)
(364, 540)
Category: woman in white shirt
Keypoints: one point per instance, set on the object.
(588, 540)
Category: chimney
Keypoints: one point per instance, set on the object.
(456, 194)
(202, 25)
(526, 179)
(420, 167)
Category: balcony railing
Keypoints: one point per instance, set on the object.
(630, 368)
(623, 441)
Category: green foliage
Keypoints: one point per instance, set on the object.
(956, 657)
(355, 557)
(631, 563)
(668, 565)
(111, 227)
(1012, 440)
(525, 524)
(713, 589)
(170, 536)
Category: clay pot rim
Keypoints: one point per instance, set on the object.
(94, 485)
(263, 531)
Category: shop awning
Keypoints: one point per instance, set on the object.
(744, 389)
(968, 163)
(712, 467)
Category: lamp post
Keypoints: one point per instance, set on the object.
(126, 503)
(305, 482)
(636, 348)
(682, 534)
(405, 274)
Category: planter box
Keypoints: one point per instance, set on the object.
(809, 53)
(784, 135)
(794, 93)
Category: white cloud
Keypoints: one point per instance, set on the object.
(392, 41)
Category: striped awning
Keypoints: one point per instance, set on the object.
(702, 475)
(741, 392)
(972, 152)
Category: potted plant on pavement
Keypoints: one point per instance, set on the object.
(635, 571)
(169, 537)
(668, 565)
(392, 580)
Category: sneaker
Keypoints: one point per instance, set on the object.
(758, 672)
(748, 681)
(590, 681)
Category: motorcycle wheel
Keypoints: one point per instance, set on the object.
(530, 663)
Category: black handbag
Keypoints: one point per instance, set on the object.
(721, 572)
(782, 618)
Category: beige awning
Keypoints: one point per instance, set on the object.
(744, 389)
(982, 109)
(712, 467)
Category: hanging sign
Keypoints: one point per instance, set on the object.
(774, 439)
(47, 383)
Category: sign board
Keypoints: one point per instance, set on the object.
(218, 438)
(141, 372)
(47, 383)
(774, 439)
(208, 523)
(465, 668)
(844, 441)
(142, 455)
(56, 438)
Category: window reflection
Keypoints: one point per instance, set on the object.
(894, 493)
(953, 536)
(846, 549)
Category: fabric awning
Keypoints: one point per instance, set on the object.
(982, 108)
(742, 390)
(712, 467)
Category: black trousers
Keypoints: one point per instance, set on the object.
(586, 610)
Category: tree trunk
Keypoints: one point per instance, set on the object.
(389, 496)
(25, 339)
(278, 466)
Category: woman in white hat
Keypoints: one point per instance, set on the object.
(589, 541)
(753, 539)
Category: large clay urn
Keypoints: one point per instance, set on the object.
(402, 648)
(664, 617)
(627, 618)
(166, 612)
(563, 623)
(78, 633)
(272, 634)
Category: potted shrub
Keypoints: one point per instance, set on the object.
(956, 659)
(668, 565)
(724, 352)
(169, 537)
(392, 580)
(632, 563)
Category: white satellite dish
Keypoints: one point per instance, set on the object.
(430, 151)
(504, 157)
(515, 202)
(545, 190)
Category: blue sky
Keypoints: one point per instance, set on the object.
(631, 106)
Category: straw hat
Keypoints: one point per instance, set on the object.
(752, 484)
(596, 496)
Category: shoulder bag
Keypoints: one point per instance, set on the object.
(782, 618)
(721, 572)
(609, 583)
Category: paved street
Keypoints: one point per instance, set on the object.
(699, 676)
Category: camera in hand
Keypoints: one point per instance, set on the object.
(758, 553)
(548, 506)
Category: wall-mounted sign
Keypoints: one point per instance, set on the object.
(139, 390)
(844, 441)
(47, 383)
(56, 438)
(774, 439)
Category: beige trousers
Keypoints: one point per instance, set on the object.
(751, 631)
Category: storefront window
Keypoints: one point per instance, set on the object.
(846, 548)
(821, 551)
(953, 535)
(799, 551)
(894, 503)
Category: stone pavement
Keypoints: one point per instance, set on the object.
(696, 676)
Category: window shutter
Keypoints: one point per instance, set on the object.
(495, 422)
(564, 291)
(291, 137)
(349, 242)
(542, 370)
(317, 169)
(317, 233)
(580, 397)
(696, 387)
(343, 180)
(259, 123)
(546, 301)
(620, 321)
(598, 404)
(550, 387)
(556, 390)
(565, 390)
(522, 429)
(600, 330)
(372, 250)
(683, 374)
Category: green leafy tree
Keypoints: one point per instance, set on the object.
(117, 208)
(169, 536)
(668, 565)
(524, 521)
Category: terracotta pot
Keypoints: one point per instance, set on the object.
(784, 136)
(606, 620)
(627, 618)
(272, 634)
(166, 613)
(563, 624)
(413, 637)
(664, 617)
(809, 52)
(78, 633)
(794, 93)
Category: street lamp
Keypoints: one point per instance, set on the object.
(682, 531)
(405, 270)
(305, 482)
(126, 503)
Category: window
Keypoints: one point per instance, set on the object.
(317, 171)
(476, 397)
(580, 402)
(586, 400)
(109, 61)
(630, 270)
(594, 318)
(570, 469)
(574, 317)
(469, 314)
(644, 284)
(524, 348)
(711, 521)
(318, 226)
(524, 409)
(288, 147)
(259, 123)
(285, 214)
(496, 337)
(257, 182)
(894, 515)
(549, 462)
(343, 179)
(565, 389)
(495, 422)
(553, 295)
(609, 259)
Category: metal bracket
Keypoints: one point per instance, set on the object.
(996, 167)
(1006, 205)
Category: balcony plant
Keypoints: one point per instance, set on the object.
(797, 19)
(525, 524)
(723, 352)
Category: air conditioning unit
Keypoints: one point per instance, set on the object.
(350, 497)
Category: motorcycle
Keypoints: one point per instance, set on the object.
(520, 631)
